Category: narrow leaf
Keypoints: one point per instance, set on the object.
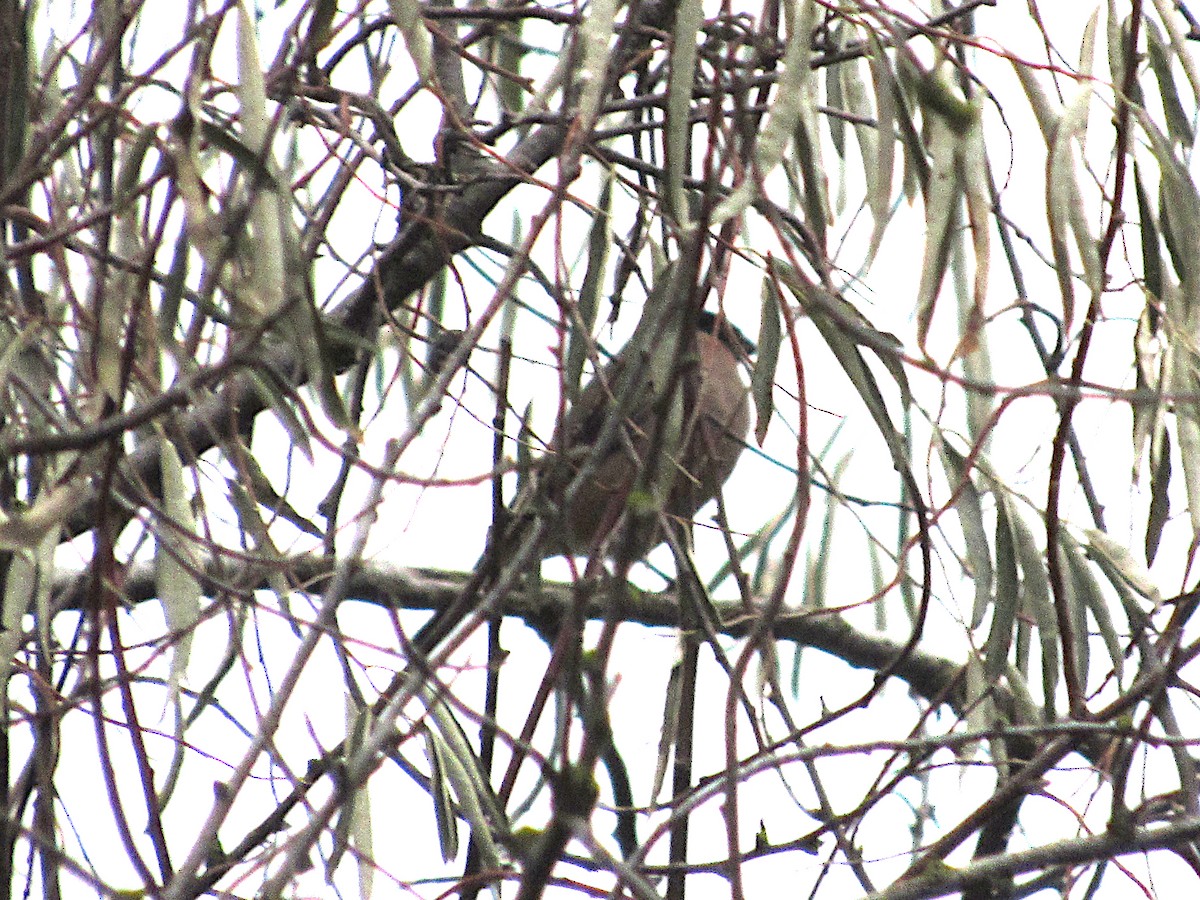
(407, 16)
(1120, 561)
(579, 339)
(175, 565)
(1179, 125)
(880, 167)
(969, 507)
(1007, 602)
(1160, 504)
(1036, 602)
(762, 378)
(1087, 589)
(791, 97)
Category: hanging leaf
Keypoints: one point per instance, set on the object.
(1179, 127)
(762, 377)
(879, 144)
(176, 566)
(969, 507)
(1007, 600)
(580, 340)
(1159, 511)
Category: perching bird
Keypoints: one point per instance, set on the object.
(711, 415)
(711, 432)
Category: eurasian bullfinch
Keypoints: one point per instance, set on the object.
(710, 406)
(712, 431)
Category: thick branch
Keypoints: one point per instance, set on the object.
(932, 677)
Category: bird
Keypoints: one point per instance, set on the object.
(715, 419)
(593, 516)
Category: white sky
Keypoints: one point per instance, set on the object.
(445, 528)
